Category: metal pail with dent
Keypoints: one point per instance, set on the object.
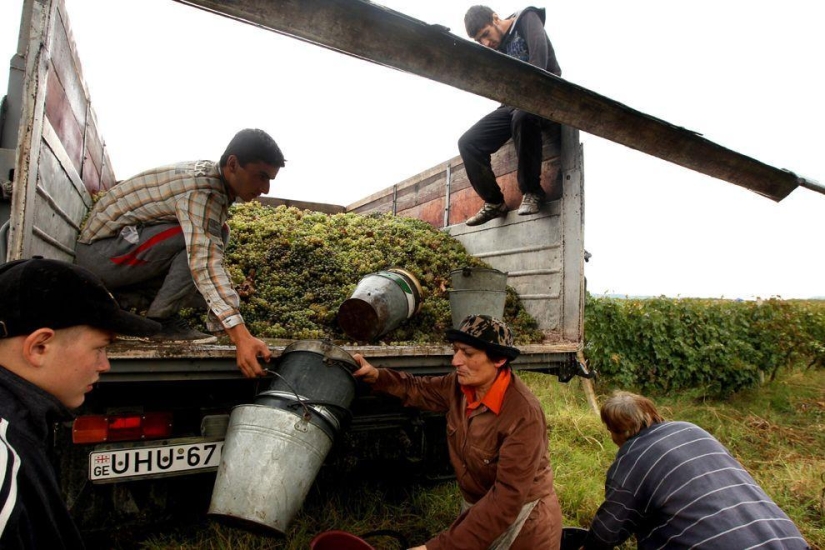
(380, 303)
(270, 460)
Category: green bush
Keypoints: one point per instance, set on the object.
(716, 347)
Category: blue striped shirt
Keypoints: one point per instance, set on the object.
(675, 486)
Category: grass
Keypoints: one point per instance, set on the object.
(776, 431)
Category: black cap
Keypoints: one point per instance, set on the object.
(40, 293)
(487, 333)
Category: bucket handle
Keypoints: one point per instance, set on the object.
(307, 416)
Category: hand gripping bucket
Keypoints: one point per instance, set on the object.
(380, 303)
(275, 447)
(477, 291)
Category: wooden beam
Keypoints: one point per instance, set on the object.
(386, 37)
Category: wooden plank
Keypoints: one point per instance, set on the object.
(63, 120)
(31, 120)
(386, 37)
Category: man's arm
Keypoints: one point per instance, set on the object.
(201, 216)
(616, 518)
(533, 31)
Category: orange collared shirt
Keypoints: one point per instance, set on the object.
(493, 398)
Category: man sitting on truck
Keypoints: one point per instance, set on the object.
(521, 36)
(164, 232)
(56, 320)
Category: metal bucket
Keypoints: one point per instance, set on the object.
(270, 459)
(476, 302)
(274, 448)
(380, 303)
(478, 278)
(317, 375)
(477, 291)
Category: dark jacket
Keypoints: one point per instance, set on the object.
(527, 40)
(500, 461)
(32, 512)
(673, 485)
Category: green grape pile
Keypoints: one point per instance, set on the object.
(293, 269)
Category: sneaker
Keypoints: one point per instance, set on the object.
(175, 329)
(530, 204)
(488, 212)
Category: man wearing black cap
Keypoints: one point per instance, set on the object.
(56, 320)
(497, 439)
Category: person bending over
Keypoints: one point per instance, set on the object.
(673, 485)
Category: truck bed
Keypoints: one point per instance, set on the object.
(136, 361)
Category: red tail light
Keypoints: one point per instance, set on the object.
(133, 427)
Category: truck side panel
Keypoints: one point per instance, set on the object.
(542, 254)
(61, 158)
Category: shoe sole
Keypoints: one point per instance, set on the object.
(473, 224)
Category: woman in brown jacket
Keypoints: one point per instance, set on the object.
(497, 439)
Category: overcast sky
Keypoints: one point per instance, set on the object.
(170, 83)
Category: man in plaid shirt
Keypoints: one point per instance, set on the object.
(160, 237)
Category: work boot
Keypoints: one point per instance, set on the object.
(530, 204)
(488, 212)
(175, 329)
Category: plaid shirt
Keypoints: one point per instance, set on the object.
(192, 194)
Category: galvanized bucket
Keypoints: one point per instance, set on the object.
(270, 460)
(477, 291)
(380, 303)
(476, 302)
(317, 375)
(478, 278)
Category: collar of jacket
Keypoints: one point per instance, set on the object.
(30, 404)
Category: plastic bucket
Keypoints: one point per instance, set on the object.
(478, 278)
(380, 303)
(338, 540)
(341, 540)
(315, 375)
(270, 459)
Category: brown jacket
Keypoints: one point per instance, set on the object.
(500, 461)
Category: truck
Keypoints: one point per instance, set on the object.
(174, 401)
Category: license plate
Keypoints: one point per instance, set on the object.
(158, 461)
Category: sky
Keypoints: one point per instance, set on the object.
(171, 83)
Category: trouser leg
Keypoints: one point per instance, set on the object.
(157, 264)
(527, 138)
(477, 145)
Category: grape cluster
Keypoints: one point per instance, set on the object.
(293, 269)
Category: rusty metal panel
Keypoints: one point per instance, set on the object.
(50, 198)
(386, 37)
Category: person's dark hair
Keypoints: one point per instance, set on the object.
(476, 18)
(253, 145)
(627, 413)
